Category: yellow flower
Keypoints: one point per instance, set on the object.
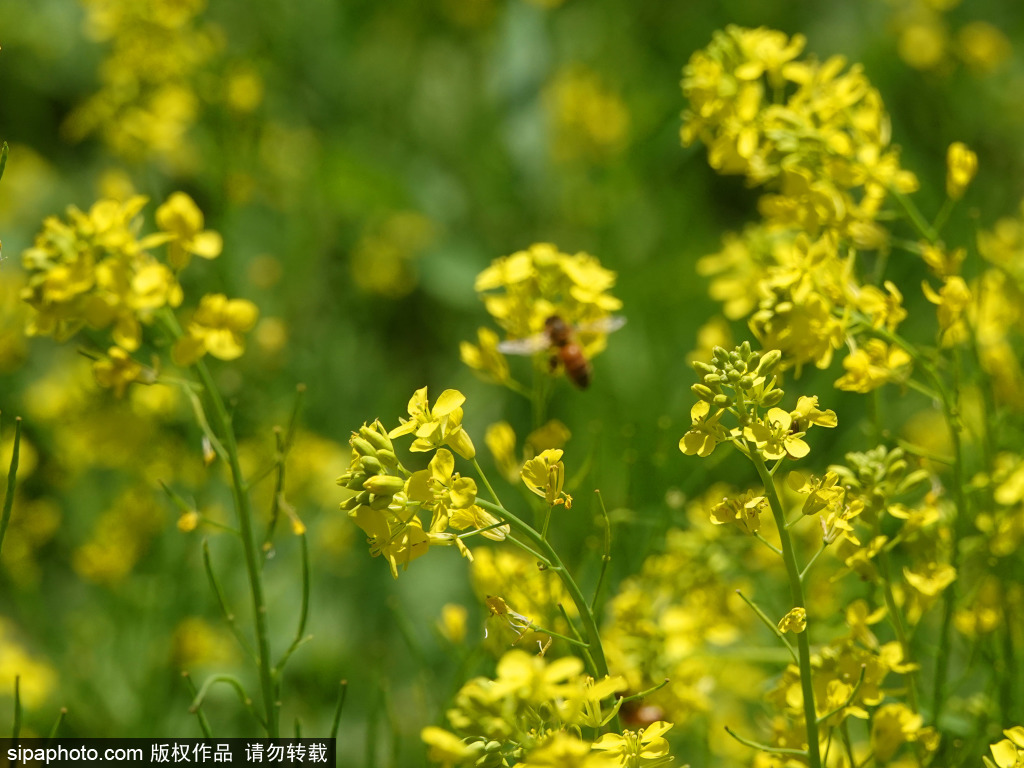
(216, 327)
(544, 475)
(118, 370)
(1009, 753)
(646, 748)
(961, 165)
(931, 578)
(181, 218)
(795, 621)
(485, 357)
(437, 426)
(873, 365)
(774, 438)
(705, 431)
(952, 299)
(892, 725)
(448, 749)
(743, 511)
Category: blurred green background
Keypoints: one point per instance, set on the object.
(364, 161)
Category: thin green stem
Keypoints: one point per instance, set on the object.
(336, 721)
(606, 556)
(233, 682)
(204, 724)
(486, 482)
(764, 747)
(12, 476)
(896, 619)
(225, 433)
(797, 595)
(58, 722)
(16, 728)
(300, 631)
(218, 592)
(943, 215)
(593, 637)
(920, 223)
(769, 623)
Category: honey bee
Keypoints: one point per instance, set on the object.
(561, 338)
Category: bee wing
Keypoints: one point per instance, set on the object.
(604, 325)
(530, 345)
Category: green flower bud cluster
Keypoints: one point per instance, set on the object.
(879, 475)
(374, 473)
(747, 374)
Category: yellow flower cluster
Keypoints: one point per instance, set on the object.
(532, 711)
(741, 383)
(523, 291)
(817, 135)
(927, 41)
(589, 121)
(93, 269)
(821, 134)
(147, 101)
(677, 619)
(387, 498)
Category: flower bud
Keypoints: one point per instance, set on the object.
(703, 392)
(384, 485)
(380, 441)
(769, 361)
(772, 398)
(361, 446)
(354, 481)
(722, 401)
(371, 465)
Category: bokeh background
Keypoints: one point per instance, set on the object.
(364, 161)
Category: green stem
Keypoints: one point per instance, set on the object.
(797, 594)
(600, 666)
(768, 623)
(923, 227)
(12, 476)
(222, 424)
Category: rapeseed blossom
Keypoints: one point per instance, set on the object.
(522, 291)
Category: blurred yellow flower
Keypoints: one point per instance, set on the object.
(216, 327)
(961, 165)
(181, 218)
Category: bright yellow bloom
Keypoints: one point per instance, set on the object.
(773, 437)
(93, 269)
(705, 430)
(544, 475)
(437, 426)
(523, 290)
(795, 621)
(647, 748)
(743, 511)
(1009, 753)
(181, 218)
